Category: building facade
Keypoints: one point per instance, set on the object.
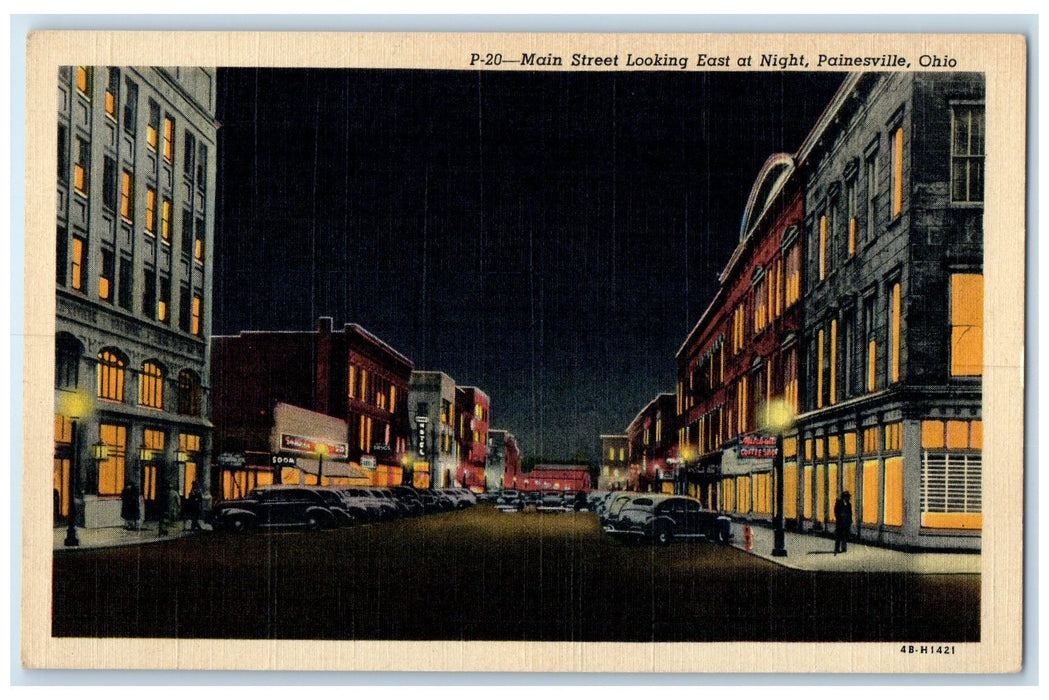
(653, 447)
(473, 408)
(135, 222)
(615, 461)
(742, 356)
(504, 455)
(435, 451)
(893, 309)
(548, 477)
(349, 374)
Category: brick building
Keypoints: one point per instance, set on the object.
(653, 446)
(349, 374)
(135, 221)
(473, 410)
(615, 460)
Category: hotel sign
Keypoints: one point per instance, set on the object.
(308, 445)
(756, 447)
(420, 434)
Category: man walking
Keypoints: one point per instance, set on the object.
(842, 522)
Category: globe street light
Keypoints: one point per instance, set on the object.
(779, 418)
(75, 405)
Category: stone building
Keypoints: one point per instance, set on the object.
(431, 405)
(135, 221)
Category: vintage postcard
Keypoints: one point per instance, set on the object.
(524, 352)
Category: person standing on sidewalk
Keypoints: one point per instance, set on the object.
(842, 522)
(194, 506)
(129, 507)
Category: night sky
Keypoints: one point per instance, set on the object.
(549, 237)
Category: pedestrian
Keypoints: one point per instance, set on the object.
(194, 505)
(129, 507)
(842, 522)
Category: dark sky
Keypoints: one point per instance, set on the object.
(549, 237)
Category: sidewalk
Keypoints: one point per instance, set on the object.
(816, 553)
(93, 538)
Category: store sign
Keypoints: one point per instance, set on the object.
(756, 447)
(382, 448)
(231, 459)
(284, 461)
(420, 435)
(308, 445)
(368, 461)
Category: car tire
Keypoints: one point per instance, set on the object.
(312, 522)
(663, 536)
(723, 536)
(238, 523)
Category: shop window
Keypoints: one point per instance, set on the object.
(871, 492)
(111, 369)
(966, 325)
(821, 493)
(151, 386)
(111, 469)
(190, 396)
(790, 491)
(832, 486)
(850, 444)
(153, 440)
(190, 444)
(894, 491)
(967, 153)
(897, 171)
(848, 479)
(806, 496)
(951, 490)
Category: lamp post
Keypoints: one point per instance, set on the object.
(322, 450)
(76, 405)
(779, 419)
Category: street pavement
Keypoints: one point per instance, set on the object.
(805, 551)
(814, 552)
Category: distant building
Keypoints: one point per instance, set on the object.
(615, 460)
(472, 407)
(350, 375)
(654, 460)
(548, 477)
(432, 414)
(504, 455)
(135, 222)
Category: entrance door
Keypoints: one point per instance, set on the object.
(150, 491)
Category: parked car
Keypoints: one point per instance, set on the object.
(663, 518)
(461, 498)
(594, 499)
(615, 501)
(272, 507)
(403, 507)
(373, 507)
(410, 497)
(550, 501)
(573, 501)
(509, 501)
(333, 500)
(433, 503)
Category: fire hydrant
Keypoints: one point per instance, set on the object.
(748, 538)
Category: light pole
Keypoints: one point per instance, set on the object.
(76, 405)
(779, 418)
(322, 450)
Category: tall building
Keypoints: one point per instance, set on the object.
(473, 408)
(653, 446)
(504, 456)
(432, 413)
(349, 374)
(135, 221)
(893, 309)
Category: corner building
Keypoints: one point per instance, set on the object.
(135, 221)
(893, 310)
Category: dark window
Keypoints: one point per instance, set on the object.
(189, 155)
(67, 362)
(198, 240)
(130, 106)
(183, 308)
(202, 167)
(149, 293)
(113, 93)
(61, 255)
(189, 394)
(967, 153)
(124, 284)
(164, 304)
(187, 232)
(109, 183)
(63, 153)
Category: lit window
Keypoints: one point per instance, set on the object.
(823, 247)
(897, 171)
(793, 270)
(127, 196)
(165, 220)
(819, 370)
(165, 300)
(151, 210)
(82, 166)
(110, 376)
(894, 334)
(84, 76)
(195, 321)
(169, 139)
(833, 361)
(151, 386)
(967, 153)
(112, 93)
(111, 469)
(105, 276)
(78, 264)
(153, 126)
(966, 325)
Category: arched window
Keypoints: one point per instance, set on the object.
(151, 386)
(189, 394)
(67, 361)
(110, 375)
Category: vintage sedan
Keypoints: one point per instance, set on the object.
(663, 518)
(274, 507)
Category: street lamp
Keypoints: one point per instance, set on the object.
(76, 405)
(779, 417)
(322, 450)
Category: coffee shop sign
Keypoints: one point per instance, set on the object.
(756, 447)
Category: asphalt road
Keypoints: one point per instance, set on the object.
(484, 575)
